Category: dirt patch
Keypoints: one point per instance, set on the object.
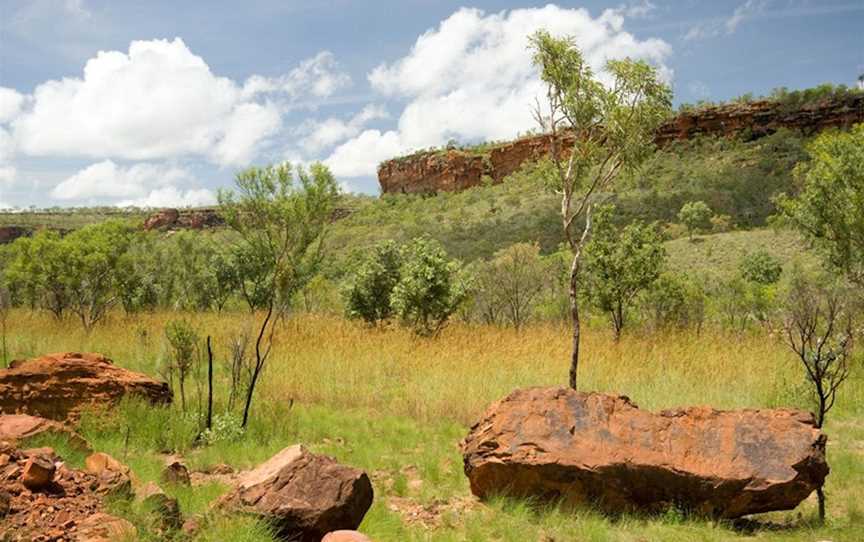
(433, 514)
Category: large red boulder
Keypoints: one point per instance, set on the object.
(303, 495)
(59, 386)
(557, 444)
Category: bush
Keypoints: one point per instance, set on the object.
(430, 287)
(696, 216)
(375, 275)
(674, 301)
(761, 268)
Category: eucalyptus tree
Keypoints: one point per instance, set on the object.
(599, 127)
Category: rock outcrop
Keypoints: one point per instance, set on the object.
(456, 169)
(15, 428)
(59, 386)
(303, 495)
(186, 219)
(562, 445)
(9, 234)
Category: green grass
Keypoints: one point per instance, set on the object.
(397, 407)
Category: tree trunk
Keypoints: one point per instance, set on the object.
(209, 385)
(574, 315)
(821, 496)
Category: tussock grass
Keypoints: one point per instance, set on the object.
(386, 401)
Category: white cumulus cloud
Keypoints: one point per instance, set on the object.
(170, 196)
(159, 100)
(472, 78)
(10, 103)
(106, 179)
(321, 135)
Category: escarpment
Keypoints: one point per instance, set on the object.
(456, 169)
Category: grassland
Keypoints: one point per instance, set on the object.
(397, 406)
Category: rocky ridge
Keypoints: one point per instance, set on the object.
(457, 169)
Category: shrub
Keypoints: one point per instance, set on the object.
(367, 295)
(696, 216)
(676, 301)
(430, 287)
(761, 268)
(508, 287)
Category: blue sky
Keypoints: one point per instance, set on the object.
(160, 103)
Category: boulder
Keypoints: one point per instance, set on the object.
(59, 386)
(175, 472)
(38, 472)
(556, 444)
(302, 495)
(15, 428)
(113, 477)
(165, 508)
(102, 527)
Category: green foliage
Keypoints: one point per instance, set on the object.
(375, 275)
(507, 288)
(696, 216)
(619, 264)
(829, 210)
(183, 340)
(760, 267)
(430, 287)
(279, 214)
(675, 301)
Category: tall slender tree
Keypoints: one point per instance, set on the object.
(599, 127)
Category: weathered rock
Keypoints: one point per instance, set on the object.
(559, 444)
(457, 169)
(175, 472)
(59, 386)
(15, 428)
(102, 527)
(114, 478)
(38, 472)
(346, 536)
(164, 507)
(9, 234)
(303, 495)
(191, 526)
(163, 219)
(5, 500)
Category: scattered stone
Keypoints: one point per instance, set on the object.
(303, 495)
(114, 478)
(563, 445)
(175, 472)
(102, 527)
(38, 472)
(59, 386)
(346, 536)
(165, 508)
(15, 428)
(191, 526)
(5, 503)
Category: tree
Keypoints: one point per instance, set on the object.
(183, 341)
(818, 325)
(620, 264)
(508, 286)
(93, 261)
(429, 289)
(36, 271)
(696, 216)
(279, 215)
(761, 268)
(371, 284)
(612, 131)
(829, 209)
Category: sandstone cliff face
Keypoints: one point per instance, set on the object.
(455, 170)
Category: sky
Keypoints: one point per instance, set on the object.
(155, 104)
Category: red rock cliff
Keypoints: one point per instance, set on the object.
(455, 169)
